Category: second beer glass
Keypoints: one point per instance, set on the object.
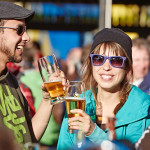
(49, 71)
(75, 97)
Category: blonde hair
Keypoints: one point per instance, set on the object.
(90, 82)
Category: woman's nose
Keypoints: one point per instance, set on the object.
(106, 66)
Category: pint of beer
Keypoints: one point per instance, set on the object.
(74, 103)
(75, 97)
(49, 71)
(55, 89)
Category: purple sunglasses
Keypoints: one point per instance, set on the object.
(115, 61)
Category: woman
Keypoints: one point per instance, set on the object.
(107, 71)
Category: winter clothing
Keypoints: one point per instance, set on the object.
(113, 35)
(132, 119)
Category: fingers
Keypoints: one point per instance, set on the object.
(82, 122)
(78, 111)
(62, 74)
(55, 76)
(83, 117)
(59, 75)
(77, 126)
(63, 78)
(78, 118)
(43, 87)
(46, 95)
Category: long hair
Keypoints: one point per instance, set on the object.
(90, 82)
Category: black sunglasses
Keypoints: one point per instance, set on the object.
(115, 61)
(20, 29)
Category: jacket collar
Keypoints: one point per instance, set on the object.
(135, 108)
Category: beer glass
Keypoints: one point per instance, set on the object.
(49, 71)
(75, 97)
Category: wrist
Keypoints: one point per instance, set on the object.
(92, 128)
(46, 102)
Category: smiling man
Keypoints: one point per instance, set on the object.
(13, 106)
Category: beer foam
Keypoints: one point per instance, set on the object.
(53, 81)
(74, 98)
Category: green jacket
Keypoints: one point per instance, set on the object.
(132, 119)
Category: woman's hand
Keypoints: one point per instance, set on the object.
(82, 122)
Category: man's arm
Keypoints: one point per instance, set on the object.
(42, 116)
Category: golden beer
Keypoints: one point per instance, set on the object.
(55, 89)
(74, 103)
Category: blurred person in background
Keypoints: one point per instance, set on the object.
(141, 64)
(73, 64)
(85, 52)
(109, 94)
(32, 78)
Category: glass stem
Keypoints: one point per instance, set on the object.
(80, 138)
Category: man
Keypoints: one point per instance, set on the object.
(141, 58)
(13, 106)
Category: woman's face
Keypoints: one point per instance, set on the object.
(108, 78)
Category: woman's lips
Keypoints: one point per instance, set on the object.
(106, 77)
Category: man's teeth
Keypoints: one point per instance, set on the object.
(20, 48)
(106, 76)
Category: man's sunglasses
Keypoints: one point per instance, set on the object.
(20, 29)
(115, 61)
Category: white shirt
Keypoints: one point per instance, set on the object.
(138, 82)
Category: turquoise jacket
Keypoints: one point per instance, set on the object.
(132, 119)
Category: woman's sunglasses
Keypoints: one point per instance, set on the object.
(20, 29)
(115, 61)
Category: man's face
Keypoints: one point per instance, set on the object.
(140, 62)
(11, 44)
